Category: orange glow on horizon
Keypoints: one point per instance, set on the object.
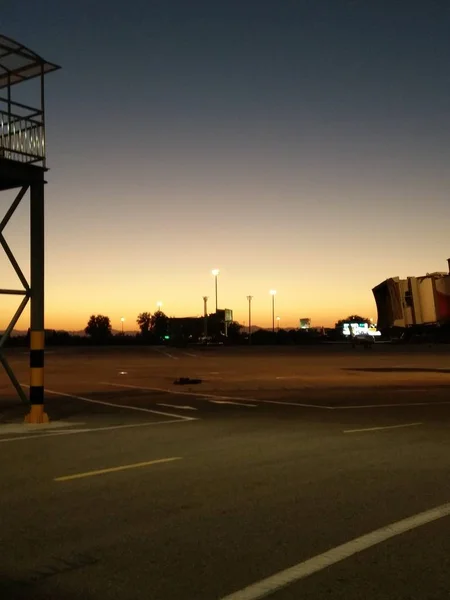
(322, 262)
(290, 157)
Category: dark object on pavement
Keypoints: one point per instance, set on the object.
(186, 381)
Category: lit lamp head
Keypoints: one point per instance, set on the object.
(122, 319)
(273, 292)
(215, 272)
(159, 305)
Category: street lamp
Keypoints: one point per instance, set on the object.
(205, 317)
(159, 305)
(278, 323)
(249, 298)
(215, 272)
(273, 293)
(122, 319)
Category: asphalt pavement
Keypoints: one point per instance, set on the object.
(142, 488)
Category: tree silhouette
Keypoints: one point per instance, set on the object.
(98, 327)
(234, 331)
(352, 319)
(159, 324)
(144, 320)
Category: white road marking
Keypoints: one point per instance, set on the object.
(177, 406)
(393, 405)
(167, 354)
(91, 429)
(382, 428)
(229, 402)
(190, 354)
(139, 409)
(297, 404)
(282, 579)
(247, 399)
(208, 396)
(12, 428)
(177, 392)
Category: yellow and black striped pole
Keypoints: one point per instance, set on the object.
(37, 414)
(37, 333)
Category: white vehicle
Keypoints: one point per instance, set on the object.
(363, 339)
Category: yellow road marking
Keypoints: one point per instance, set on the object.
(116, 469)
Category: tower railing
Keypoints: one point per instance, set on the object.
(22, 132)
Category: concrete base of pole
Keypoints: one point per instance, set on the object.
(36, 415)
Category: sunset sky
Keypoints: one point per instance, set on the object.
(297, 145)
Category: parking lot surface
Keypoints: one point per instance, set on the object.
(263, 479)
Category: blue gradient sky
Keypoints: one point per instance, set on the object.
(302, 146)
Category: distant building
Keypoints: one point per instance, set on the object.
(185, 329)
(225, 315)
(413, 301)
(218, 322)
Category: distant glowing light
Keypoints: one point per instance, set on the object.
(273, 292)
(215, 272)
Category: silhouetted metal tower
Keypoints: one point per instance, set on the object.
(22, 167)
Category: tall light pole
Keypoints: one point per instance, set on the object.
(205, 315)
(273, 293)
(122, 319)
(159, 305)
(215, 272)
(278, 323)
(249, 298)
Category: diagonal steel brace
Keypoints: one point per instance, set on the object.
(26, 292)
(14, 263)
(12, 208)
